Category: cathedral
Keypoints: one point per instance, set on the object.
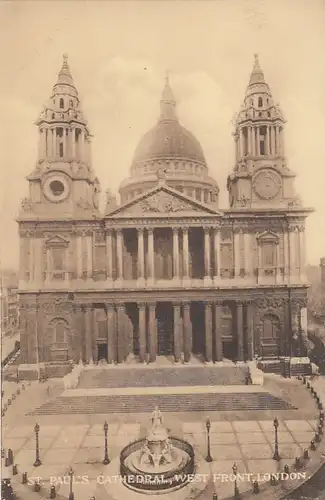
(162, 271)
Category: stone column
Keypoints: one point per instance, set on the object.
(208, 331)
(140, 254)
(111, 333)
(152, 334)
(241, 149)
(79, 255)
(64, 141)
(119, 252)
(186, 274)
(240, 332)
(90, 255)
(258, 151)
(73, 143)
(272, 140)
(38, 258)
(216, 254)
(109, 253)
(151, 254)
(218, 332)
(177, 332)
(81, 144)
(79, 332)
(277, 140)
(249, 140)
(42, 134)
(88, 339)
(247, 254)
(94, 338)
(236, 253)
(286, 256)
(54, 150)
(176, 253)
(250, 330)
(267, 141)
(253, 142)
(142, 332)
(187, 332)
(292, 251)
(302, 254)
(120, 333)
(207, 255)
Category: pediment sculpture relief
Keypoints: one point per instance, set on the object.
(164, 203)
(26, 205)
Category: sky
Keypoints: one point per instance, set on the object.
(118, 54)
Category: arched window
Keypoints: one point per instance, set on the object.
(260, 102)
(61, 103)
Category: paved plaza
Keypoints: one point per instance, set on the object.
(248, 443)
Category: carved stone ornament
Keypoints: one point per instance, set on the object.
(243, 201)
(295, 202)
(164, 203)
(269, 303)
(83, 204)
(111, 202)
(26, 205)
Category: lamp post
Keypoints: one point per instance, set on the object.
(37, 462)
(106, 460)
(276, 455)
(208, 427)
(236, 491)
(71, 494)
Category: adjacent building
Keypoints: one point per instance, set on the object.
(164, 271)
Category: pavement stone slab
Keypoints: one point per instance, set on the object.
(225, 452)
(283, 437)
(57, 456)
(303, 436)
(313, 424)
(225, 467)
(129, 430)
(251, 437)
(246, 426)
(264, 466)
(96, 430)
(298, 425)
(44, 443)
(256, 451)
(267, 425)
(193, 427)
(223, 438)
(290, 451)
(15, 443)
(23, 431)
(89, 455)
(25, 458)
(50, 430)
(93, 442)
(221, 426)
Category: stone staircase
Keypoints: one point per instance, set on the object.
(207, 402)
(163, 376)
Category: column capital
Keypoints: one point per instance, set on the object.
(142, 304)
(239, 303)
(185, 230)
(218, 302)
(208, 303)
(152, 305)
(207, 229)
(120, 307)
(177, 303)
(140, 229)
(175, 229)
(186, 303)
(109, 306)
(150, 230)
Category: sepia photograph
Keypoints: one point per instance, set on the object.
(162, 249)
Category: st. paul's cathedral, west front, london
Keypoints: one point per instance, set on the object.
(163, 271)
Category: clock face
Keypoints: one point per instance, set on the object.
(267, 184)
(56, 187)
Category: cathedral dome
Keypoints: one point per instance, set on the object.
(171, 148)
(169, 140)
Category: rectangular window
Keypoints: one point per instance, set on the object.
(58, 259)
(268, 255)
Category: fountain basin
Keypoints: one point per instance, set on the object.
(163, 477)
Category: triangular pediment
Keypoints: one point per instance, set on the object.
(268, 236)
(57, 240)
(163, 201)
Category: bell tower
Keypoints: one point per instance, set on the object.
(63, 183)
(261, 178)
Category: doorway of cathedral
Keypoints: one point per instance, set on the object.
(165, 328)
(102, 352)
(198, 328)
(269, 328)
